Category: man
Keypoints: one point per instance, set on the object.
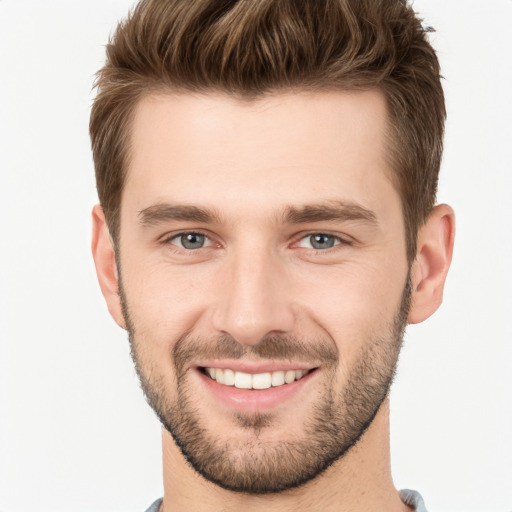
(267, 173)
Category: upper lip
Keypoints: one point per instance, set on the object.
(255, 367)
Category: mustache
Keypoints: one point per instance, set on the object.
(272, 347)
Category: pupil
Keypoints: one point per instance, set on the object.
(192, 241)
(322, 241)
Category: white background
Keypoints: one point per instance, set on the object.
(75, 432)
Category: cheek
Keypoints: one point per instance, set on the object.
(164, 302)
(355, 304)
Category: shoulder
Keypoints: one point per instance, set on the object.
(155, 507)
(413, 499)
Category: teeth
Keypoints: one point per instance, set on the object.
(289, 376)
(277, 378)
(261, 381)
(229, 377)
(219, 375)
(244, 380)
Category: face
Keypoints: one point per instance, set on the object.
(263, 278)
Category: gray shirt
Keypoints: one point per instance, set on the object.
(411, 498)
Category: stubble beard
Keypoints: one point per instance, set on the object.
(255, 466)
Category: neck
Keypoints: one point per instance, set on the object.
(360, 481)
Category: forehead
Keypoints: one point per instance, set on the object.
(217, 150)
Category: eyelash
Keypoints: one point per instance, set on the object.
(168, 239)
(339, 241)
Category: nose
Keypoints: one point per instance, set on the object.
(253, 299)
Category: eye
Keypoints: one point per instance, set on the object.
(191, 241)
(319, 241)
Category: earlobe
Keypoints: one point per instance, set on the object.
(105, 261)
(433, 258)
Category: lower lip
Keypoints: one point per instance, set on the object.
(253, 400)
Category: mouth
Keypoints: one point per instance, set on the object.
(243, 380)
(256, 389)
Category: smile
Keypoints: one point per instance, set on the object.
(242, 380)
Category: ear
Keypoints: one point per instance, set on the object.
(433, 258)
(105, 261)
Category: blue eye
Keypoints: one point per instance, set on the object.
(319, 241)
(191, 241)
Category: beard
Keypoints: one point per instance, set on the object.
(256, 465)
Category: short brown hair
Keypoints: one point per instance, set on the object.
(249, 48)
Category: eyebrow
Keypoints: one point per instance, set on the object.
(327, 211)
(331, 210)
(159, 213)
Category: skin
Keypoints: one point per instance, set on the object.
(249, 162)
